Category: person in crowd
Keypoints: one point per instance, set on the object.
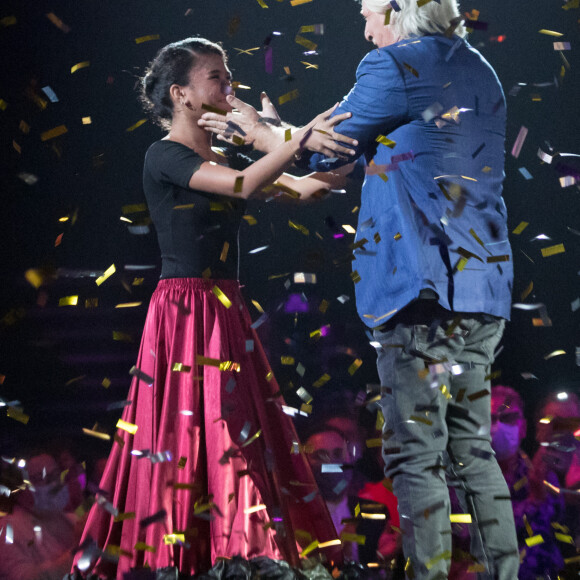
(37, 537)
(432, 269)
(557, 429)
(202, 467)
(535, 506)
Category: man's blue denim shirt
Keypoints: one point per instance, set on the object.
(429, 114)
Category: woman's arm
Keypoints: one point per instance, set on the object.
(215, 178)
(264, 131)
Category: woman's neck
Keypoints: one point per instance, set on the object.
(191, 135)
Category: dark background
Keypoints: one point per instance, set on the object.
(54, 358)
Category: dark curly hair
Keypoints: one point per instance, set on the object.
(170, 66)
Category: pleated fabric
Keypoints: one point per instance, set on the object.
(204, 396)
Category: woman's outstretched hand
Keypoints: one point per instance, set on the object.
(324, 139)
(245, 125)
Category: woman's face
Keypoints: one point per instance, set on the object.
(210, 81)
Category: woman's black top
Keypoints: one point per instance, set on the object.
(197, 231)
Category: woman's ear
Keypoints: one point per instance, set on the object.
(176, 94)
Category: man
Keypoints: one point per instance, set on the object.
(432, 269)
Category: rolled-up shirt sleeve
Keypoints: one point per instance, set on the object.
(378, 103)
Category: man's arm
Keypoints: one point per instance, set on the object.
(376, 105)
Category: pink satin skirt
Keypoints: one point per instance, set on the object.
(214, 459)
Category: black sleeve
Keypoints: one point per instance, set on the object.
(171, 162)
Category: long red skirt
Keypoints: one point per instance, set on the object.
(235, 483)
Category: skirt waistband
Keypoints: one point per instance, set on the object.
(197, 284)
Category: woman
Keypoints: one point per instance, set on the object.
(206, 468)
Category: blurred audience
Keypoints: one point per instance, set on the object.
(535, 506)
(558, 434)
(37, 538)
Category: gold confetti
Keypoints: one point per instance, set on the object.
(79, 66)
(409, 569)
(252, 438)
(520, 483)
(411, 69)
(68, 301)
(248, 51)
(239, 184)
(56, 132)
(553, 250)
(550, 32)
(169, 539)
(355, 276)
(143, 39)
(309, 65)
(8, 21)
(298, 2)
(125, 516)
(255, 508)
(322, 380)
(143, 547)
(313, 545)
(419, 419)
(129, 427)
(91, 302)
(107, 274)
(86, 120)
(287, 360)
(58, 22)
(180, 367)
(305, 42)
(212, 109)
(422, 2)
(354, 366)
(356, 538)
(216, 362)
(137, 124)
(106, 382)
(181, 463)
(478, 395)
(527, 291)
(290, 96)
(17, 147)
(298, 227)
(554, 353)
(323, 307)
(17, 415)
(397, 236)
(376, 442)
(97, 434)
(565, 538)
(262, 3)
(386, 141)
(328, 544)
(443, 556)
(225, 250)
(494, 259)
(221, 297)
(534, 541)
(250, 219)
(460, 518)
